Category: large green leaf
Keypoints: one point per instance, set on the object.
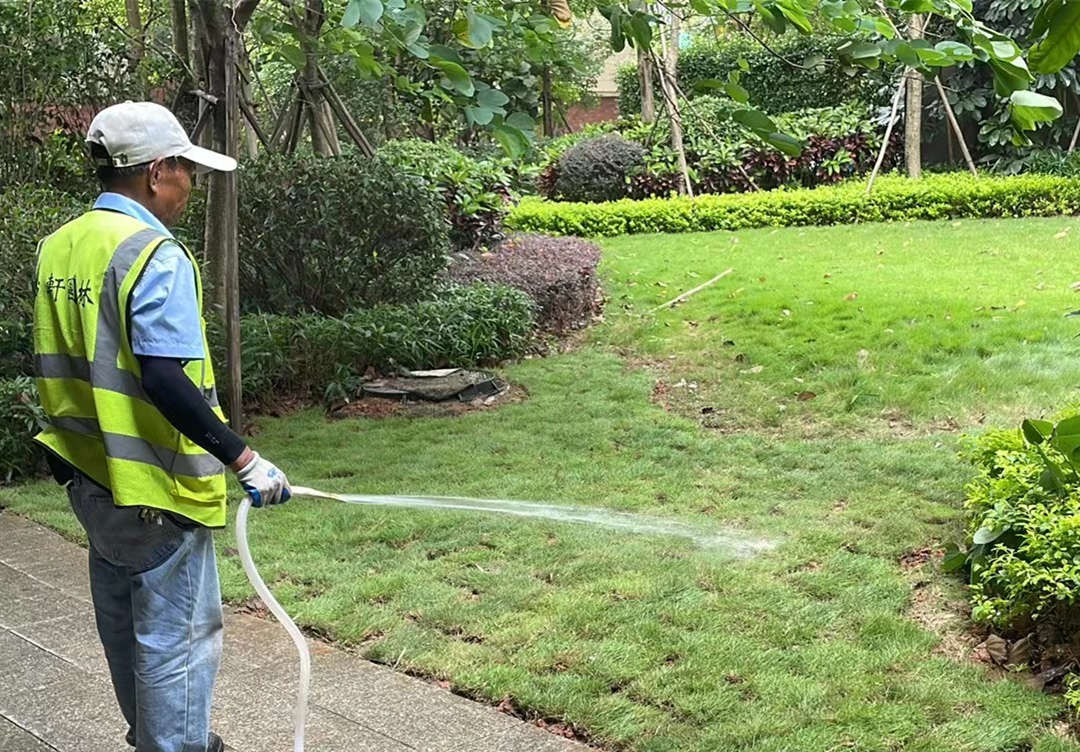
(1044, 17)
(492, 98)
(958, 51)
(1009, 76)
(1037, 431)
(1066, 438)
(1062, 43)
(641, 27)
(367, 12)
(480, 28)
(1028, 109)
(954, 561)
(987, 534)
(755, 120)
(457, 76)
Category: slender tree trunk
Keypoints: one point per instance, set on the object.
(549, 114)
(645, 78)
(668, 81)
(324, 140)
(137, 43)
(914, 110)
(181, 42)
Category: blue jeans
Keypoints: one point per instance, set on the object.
(158, 607)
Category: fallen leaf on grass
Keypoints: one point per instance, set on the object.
(805, 396)
(993, 649)
(851, 296)
(1063, 234)
(755, 369)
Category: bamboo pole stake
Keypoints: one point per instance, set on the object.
(888, 134)
(688, 293)
(955, 126)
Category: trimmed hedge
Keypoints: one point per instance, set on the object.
(894, 199)
(305, 355)
(559, 274)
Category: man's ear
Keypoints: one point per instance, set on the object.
(153, 175)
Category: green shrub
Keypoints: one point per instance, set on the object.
(1025, 537)
(16, 348)
(27, 214)
(475, 192)
(328, 235)
(20, 419)
(773, 84)
(1054, 162)
(894, 199)
(597, 169)
(302, 355)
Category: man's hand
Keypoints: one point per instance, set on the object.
(264, 483)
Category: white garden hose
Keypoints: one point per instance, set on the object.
(300, 712)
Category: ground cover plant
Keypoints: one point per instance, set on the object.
(650, 644)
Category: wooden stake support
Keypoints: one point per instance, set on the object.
(682, 298)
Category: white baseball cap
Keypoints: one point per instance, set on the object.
(135, 133)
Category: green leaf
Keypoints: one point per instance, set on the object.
(755, 120)
(445, 53)
(1009, 76)
(770, 18)
(864, 50)
(918, 6)
(1028, 109)
(709, 83)
(737, 92)
(479, 115)
(491, 98)
(1044, 17)
(787, 144)
(793, 13)
(480, 28)
(1037, 431)
(1062, 43)
(513, 141)
(954, 561)
(744, 66)
(522, 122)
(1050, 481)
(351, 16)
(369, 11)
(293, 55)
(955, 50)
(642, 29)
(987, 535)
(458, 77)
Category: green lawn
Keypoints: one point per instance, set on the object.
(651, 644)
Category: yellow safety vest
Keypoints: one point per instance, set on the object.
(90, 382)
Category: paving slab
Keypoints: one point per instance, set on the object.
(57, 696)
(15, 739)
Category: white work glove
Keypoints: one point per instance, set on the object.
(264, 483)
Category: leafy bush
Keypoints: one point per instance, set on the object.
(1055, 162)
(20, 418)
(476, 192)
(27, 215)
(300, 355)
(1023, 510)
(16, 348)
(328, 235)
(559, 274)
(894, 199)
(773, 84)
(597, 169)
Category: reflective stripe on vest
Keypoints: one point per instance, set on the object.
(101, 420)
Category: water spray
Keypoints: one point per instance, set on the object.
(738, 545)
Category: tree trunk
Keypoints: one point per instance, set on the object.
(545, 96)
(914, 111)
(324, 140)
(645, 78)
(137, 43)
(668, 81)
(218, 38)
(181, 43)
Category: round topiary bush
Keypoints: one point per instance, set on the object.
(597, 170)
(329, 235)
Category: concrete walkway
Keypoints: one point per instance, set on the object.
(55, 694)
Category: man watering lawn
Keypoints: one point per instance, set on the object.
(135, 431)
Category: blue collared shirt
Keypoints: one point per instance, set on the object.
(165, 317)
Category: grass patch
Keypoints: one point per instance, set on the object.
(908, 326)
(651, 644)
